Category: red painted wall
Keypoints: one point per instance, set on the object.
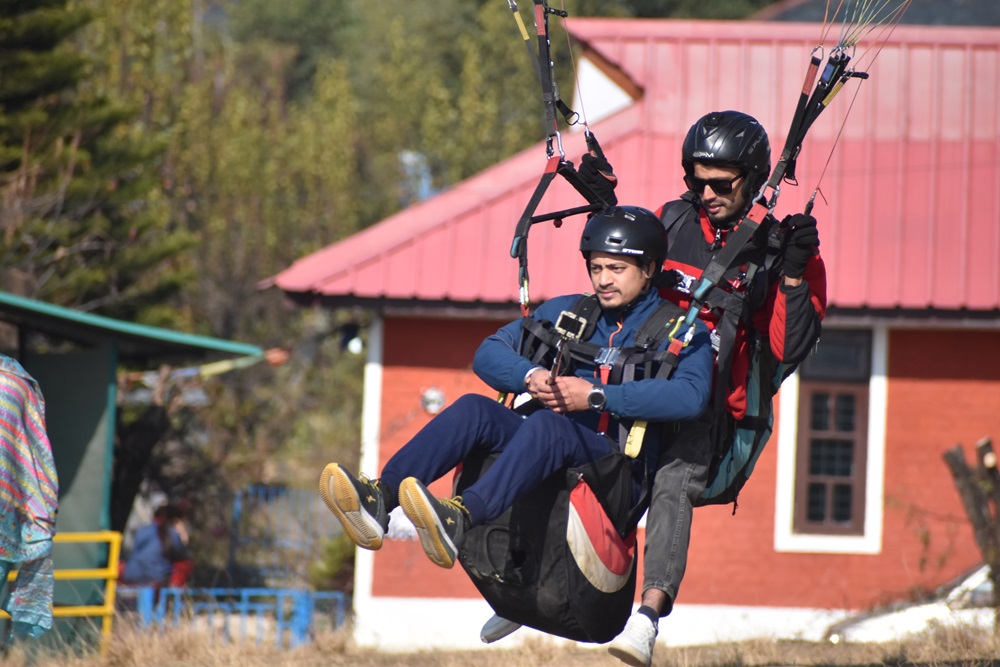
(418, 354)
(944, 389)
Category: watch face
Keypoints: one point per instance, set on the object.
(596, 398)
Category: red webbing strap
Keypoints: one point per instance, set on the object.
(602, 424)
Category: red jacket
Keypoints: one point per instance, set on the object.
(788, 318)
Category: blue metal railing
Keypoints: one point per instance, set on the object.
(287, 614)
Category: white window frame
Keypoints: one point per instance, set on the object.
(870, 542)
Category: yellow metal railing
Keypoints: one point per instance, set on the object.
(109, 574)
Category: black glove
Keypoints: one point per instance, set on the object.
(596, 172)
(803, 243)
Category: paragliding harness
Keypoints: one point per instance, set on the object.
(556, 163)
(543, 564)
(736, 445)
(563, 559)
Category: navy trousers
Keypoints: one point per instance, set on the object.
(531, 448)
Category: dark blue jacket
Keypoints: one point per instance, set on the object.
(683, 396)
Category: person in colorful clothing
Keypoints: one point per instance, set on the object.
(624, 249)
(29, 500)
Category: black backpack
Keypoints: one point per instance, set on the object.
(563, 558)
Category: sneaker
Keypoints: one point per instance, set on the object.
(440, 523)
(496, 628)
(358, 503)
(634, 645)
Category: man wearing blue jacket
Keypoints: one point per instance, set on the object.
(624, 248)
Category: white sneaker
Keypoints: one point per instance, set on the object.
(496, 628)
(634, 645)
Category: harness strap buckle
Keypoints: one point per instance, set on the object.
(607, 356)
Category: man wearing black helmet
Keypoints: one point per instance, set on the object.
(726, 160)
(624, 248)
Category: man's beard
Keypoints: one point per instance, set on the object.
(730, 220)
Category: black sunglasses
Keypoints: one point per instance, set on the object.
(720, 186)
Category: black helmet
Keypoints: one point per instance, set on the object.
(730, 139)
(625, 230)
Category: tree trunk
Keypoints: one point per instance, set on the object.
(979, 488)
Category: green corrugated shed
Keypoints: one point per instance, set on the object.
(79, 385)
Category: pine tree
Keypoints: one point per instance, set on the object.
(84, 223)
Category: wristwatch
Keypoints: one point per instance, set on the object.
(596, 398)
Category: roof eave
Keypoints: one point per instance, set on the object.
(136, 341)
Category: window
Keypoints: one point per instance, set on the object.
(832, 444)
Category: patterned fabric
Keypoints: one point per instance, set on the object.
(29, 600)
(29, 491)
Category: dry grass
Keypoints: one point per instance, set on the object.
(187, 648)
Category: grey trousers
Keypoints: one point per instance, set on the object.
(681, 476)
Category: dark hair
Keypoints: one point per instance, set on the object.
(164, 518)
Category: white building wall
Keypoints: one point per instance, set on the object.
(408, 624)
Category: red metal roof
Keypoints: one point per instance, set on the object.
(910, 214)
